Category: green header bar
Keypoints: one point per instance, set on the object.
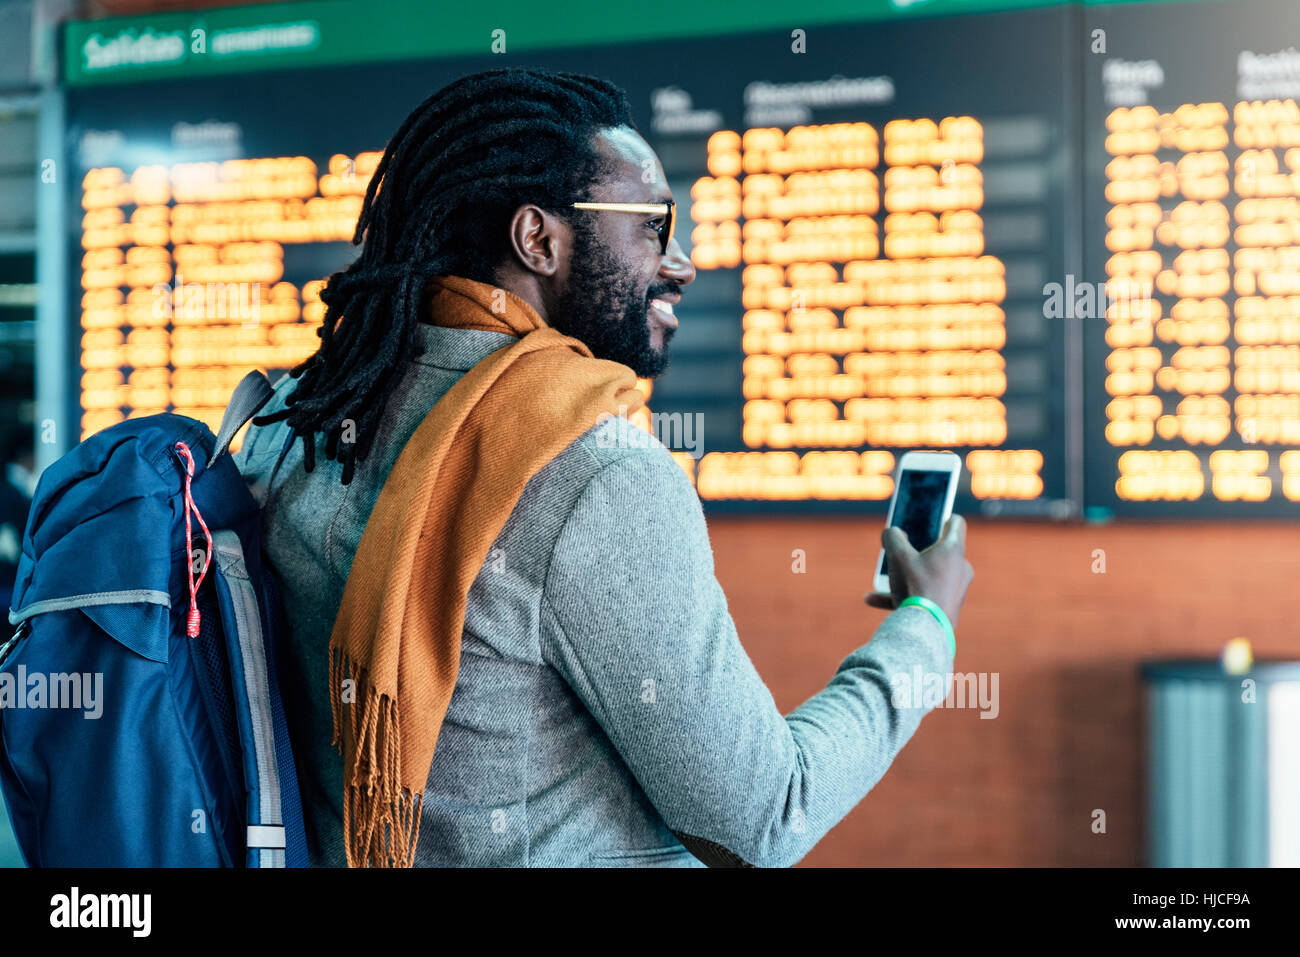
(333, 32)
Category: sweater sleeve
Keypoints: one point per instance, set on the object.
(636, 622)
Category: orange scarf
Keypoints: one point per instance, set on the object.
(397, 635)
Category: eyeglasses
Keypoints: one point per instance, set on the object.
(668, 210)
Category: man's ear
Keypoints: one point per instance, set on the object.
(540, 241)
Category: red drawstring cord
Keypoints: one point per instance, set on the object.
(192, 625)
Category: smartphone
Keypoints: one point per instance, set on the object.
(924, 488)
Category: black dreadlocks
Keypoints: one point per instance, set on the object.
(452, 177)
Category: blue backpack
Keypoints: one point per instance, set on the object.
(140, 717)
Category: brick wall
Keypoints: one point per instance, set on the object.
(1017, 790)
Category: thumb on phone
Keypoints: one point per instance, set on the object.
(894, 540)
(954, 533)
(899, 555)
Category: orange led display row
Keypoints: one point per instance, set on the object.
(873, 317)
(896, 383)
(862, 367)
(904, 337)
(317, 220)
(852, 432)
(787, 475)
(1005, 473)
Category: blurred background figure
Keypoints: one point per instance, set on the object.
(18, 461)
(18, 465)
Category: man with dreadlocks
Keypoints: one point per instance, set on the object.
(451, 504)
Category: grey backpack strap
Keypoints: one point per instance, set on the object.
(250, 395)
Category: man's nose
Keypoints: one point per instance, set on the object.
(676, 265)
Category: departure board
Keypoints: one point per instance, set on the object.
(873, 210)
(183, 278)
(1192, 219)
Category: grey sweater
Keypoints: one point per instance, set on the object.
(605, 712)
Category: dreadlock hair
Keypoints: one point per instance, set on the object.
(440, 203)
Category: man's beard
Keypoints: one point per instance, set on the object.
(602, 307)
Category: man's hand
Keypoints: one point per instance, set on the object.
(940, 573)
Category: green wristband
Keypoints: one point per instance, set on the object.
(935, 610)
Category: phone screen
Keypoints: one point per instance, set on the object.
(918, 510)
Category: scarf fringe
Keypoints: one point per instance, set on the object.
(387, 815)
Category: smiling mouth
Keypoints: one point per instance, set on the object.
(663, 312)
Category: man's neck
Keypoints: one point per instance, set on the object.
(526, 289)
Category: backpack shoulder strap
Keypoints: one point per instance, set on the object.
(249, 396)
